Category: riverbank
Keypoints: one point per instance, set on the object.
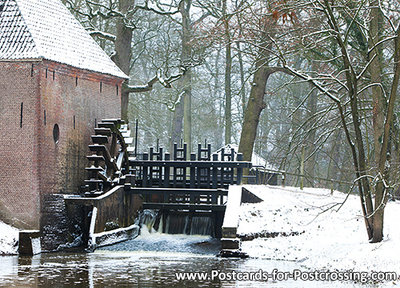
(8, 239)
(306, 227)
(325, 234)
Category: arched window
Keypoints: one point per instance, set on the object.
(56, 133)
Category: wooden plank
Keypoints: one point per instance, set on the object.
(128, 140)
(149, 191)
(106, 125)
(102, 131)
(99, 139)
(114, 120)
(94, 168)
(97, 148)
(183, 164)
(93, 181)
(95, 157)
(183, 206)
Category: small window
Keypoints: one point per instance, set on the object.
(56, 133)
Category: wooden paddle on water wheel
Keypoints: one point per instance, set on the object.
(109, 158)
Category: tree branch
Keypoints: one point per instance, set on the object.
(103, 35)
(167, 83)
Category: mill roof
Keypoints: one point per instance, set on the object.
(45, 29)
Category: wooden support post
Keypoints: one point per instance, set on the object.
(192, 176)
(199, 151)
(151, 167)
(145, 171)
(239, 170)
(257, 177)
(214, 183)
(184, 151)
(166, 171)
(136, 136)
(175, 155)
(184, 154)
(215, 172)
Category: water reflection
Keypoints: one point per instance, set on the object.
(142, 263)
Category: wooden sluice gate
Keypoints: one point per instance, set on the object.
(201, 180)
(173, 184)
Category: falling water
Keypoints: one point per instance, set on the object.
(176, 223)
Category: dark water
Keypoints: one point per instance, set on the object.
(148, 261)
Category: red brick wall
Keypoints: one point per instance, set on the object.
(19, 184)
(45, 167)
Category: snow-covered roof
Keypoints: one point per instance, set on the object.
(256, 160)
(45, 29)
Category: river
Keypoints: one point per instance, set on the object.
(151, 260)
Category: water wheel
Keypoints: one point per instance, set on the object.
(109, 157)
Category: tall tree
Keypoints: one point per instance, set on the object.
(186, 82)
(123, 52)
(353, 81)
(228, 74)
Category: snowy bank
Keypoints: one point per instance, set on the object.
(8, 239)
(327, 238)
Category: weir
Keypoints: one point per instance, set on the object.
(177, 223)
(186, 196)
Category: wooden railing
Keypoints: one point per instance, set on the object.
(210, 172)
(199, 183)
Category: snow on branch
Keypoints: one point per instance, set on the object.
(104, 35)
(159, 9)
(167, 83)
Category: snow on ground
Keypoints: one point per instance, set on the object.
(332, 238)
(8, 239)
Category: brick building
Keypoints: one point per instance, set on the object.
(55, 83)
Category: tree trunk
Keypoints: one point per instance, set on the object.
(378, 100)
(255, 105)
(218, 131)
(311, 135)
(380, 190)
(378, 112)
(228, 72)
(123, 53)
(242, 80)
(253, 110)
(177, 125)
(187, 78)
